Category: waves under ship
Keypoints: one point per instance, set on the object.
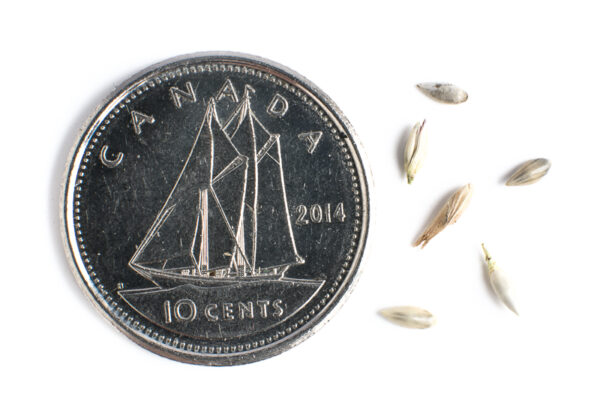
(226, 220)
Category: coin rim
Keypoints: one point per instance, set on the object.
(298, 335)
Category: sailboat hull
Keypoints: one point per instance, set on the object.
(182, 276)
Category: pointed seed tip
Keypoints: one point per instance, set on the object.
(485, 252)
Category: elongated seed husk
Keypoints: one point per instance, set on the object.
(415, 151)
(448, 214)
(530, 172)
(444, 92)
(500, 282)
(409, 317)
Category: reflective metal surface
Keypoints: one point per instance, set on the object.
(216, 208)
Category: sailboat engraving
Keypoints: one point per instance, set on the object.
(226, 219)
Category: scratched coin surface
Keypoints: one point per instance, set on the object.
(216, 208)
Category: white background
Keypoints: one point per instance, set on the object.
(531, 71)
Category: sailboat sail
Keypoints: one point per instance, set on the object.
(225, 205)
(265, 194)
(273, 250)
(194, 209)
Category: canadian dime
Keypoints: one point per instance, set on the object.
(216, 208)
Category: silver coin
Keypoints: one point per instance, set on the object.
(216, 208)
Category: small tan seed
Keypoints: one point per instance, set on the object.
(409, 317)
(499, 282)
(444, 92)
(448, 214)
(415, 151)
(530, 172)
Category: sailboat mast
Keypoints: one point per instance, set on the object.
(203, 231)
(205, 145)
(253, 189)
(243, 137)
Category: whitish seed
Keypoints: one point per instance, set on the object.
(448, 214)
(499, 282)
(415, 151)
(530, 172)
(409, 317)
(444, 92)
